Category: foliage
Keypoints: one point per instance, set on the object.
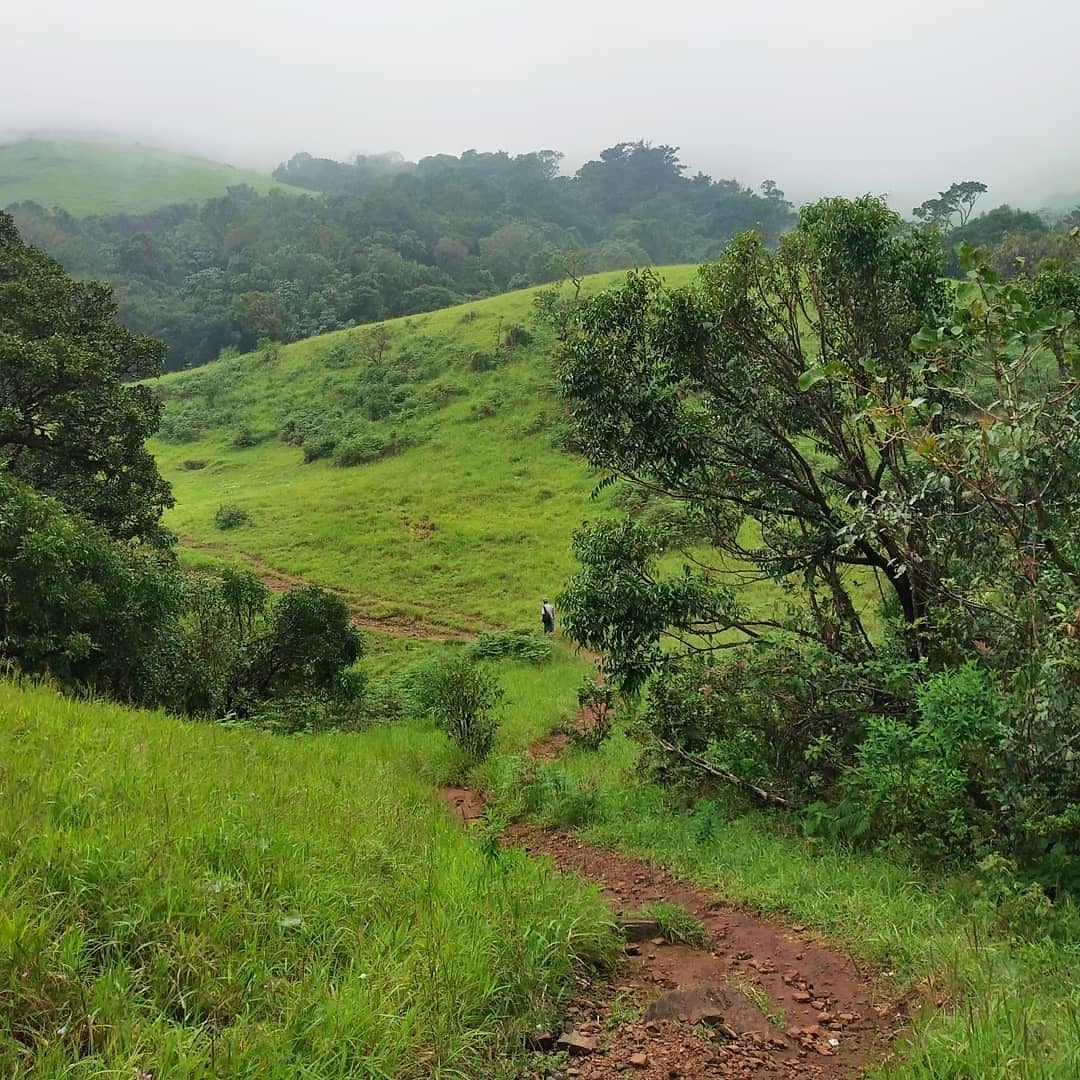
(524, 645)
(71, 424)
(247, 268)
(959, 201)
(463, 697)
(823, 439)
(596, 705)
(282, 661)
(77, 606)
(230, 516)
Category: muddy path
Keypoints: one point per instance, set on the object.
(758, 998)
(280, 581)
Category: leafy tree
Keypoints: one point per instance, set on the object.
(80, 607)
(720, 397)
(958, 200)
(835, 421)
(70, 422)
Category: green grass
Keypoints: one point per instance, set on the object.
(991, 977)
(184, 899)
(108, 176)
(468, 527)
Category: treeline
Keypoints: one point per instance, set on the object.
(385, 237)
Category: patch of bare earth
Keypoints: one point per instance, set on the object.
(760, 999)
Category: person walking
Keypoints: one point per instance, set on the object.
(547, 616)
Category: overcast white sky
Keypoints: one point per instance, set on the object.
(835, 96)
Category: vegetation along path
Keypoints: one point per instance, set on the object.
(707, 989)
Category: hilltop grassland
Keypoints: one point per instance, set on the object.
(182, 899)
(462, 501)
(110, 176)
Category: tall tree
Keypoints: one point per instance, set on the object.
(72, 424)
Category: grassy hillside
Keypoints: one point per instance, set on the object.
(110, 176)
(182, 899)
(467, 518)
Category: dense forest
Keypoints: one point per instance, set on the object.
(383, 237)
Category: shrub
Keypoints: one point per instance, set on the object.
(463, 698)
(245, 438)
(359, 449)
(597, 704)
(517, 336)
(89, 612)
(526, 645)
(231, 516)
(193, 465)
(318, 446)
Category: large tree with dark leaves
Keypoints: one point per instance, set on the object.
(72, 423)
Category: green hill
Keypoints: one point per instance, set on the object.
(463, 515)
(104, 176)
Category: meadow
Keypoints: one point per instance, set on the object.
(110, 176)
(466, 523)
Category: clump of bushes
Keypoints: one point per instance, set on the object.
(193, 465)
(231, 516)
(517, 336)
(359, 449)
(527, 646)
(463, 698)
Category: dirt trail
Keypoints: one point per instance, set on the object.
(760, 999)
(280, 581)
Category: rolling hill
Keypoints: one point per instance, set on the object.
(460, 508)
(104, 176)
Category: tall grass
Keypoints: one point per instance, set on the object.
(189, 900)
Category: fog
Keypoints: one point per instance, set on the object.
(833, 96)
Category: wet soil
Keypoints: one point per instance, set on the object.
(760, 999)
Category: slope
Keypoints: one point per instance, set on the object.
(103, 176)
(461, 507)
(168, 906)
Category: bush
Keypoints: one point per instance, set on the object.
(517, 336)
(193, 465)
(597, 704)
(463, 698)
(245, 438)
(525, 645)
(318, 447)
(91, 613)
(231, 516)
(359, 449)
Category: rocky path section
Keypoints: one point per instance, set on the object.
(757, 999)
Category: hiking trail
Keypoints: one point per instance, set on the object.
(758, 999)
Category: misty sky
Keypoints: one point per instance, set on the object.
(833, 96)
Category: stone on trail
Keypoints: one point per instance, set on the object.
(638, 929)
(573, 1042)
(718, 1006)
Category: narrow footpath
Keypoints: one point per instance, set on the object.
(758, 999)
